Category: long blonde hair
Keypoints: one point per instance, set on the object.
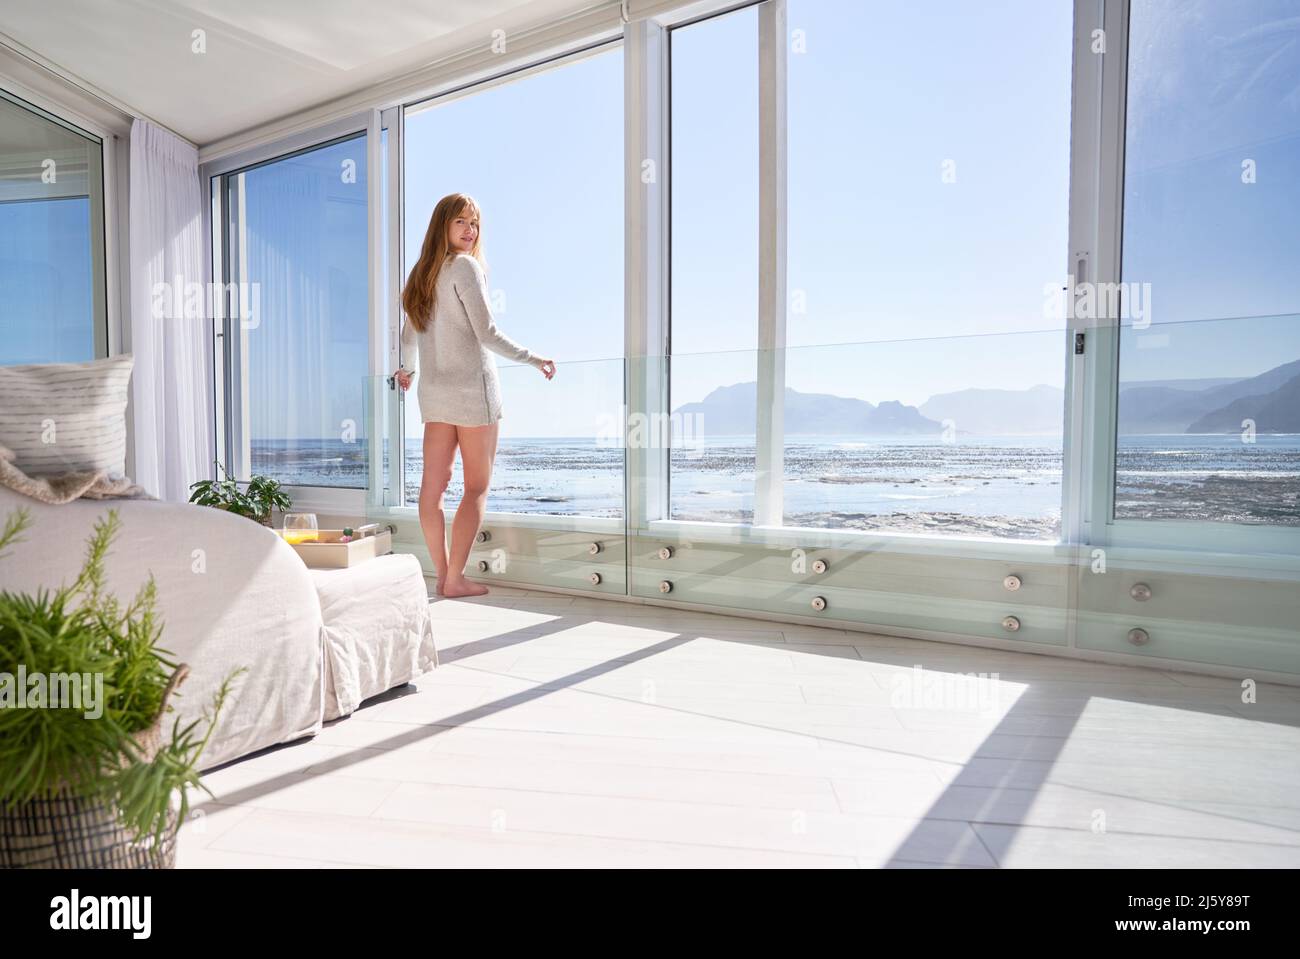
(420, 294)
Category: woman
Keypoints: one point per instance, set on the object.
(449, 330)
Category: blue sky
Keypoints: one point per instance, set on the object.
(47, 303)
(46, 294)
(879, 247)
(1212, 85)
(939, 284)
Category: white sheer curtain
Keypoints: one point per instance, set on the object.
(288, 233)
(172, 381)
(304, 255)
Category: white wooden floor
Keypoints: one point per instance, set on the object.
(576, 732)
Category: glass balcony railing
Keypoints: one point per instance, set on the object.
(908, 436)
(924, 486)
(1208, 421)
(559, 451)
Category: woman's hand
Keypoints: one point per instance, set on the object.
(547, 367)
(403, 379)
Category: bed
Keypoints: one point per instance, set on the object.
(231, 593)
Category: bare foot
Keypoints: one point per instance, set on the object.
(456, 588)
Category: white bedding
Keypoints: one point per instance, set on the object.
(230, 593)
(378, 630)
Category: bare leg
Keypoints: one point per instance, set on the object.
(478, 450)
(439, 454)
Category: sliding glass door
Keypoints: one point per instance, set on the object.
(926, 244)
(1197, 550)
(542, 154)
(296, 299)
(897, 362)
(1209, 304)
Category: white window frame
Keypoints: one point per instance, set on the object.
(398, 507)
(230, 399)
(768, 528)
(1097, 222)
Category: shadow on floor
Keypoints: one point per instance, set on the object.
(995, 786)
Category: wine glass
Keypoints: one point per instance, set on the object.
(300, 528)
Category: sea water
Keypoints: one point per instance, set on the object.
(998, 484)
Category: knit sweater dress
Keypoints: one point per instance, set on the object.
(458, 380)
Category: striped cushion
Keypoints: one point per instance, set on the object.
(66, 417)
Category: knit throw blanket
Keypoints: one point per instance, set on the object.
(65, 487)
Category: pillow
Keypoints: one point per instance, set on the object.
(66, 417)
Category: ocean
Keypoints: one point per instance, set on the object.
(989, 485)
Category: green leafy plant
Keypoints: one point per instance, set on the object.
(81, 629)
(262, 495)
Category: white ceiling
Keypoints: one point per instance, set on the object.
(264, 59)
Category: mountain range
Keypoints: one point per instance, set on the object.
(1271, 399)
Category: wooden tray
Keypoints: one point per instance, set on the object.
(328, 553)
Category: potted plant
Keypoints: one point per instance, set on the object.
(262, 495)
(87, 769)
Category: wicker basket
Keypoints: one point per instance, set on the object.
(63, 830)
